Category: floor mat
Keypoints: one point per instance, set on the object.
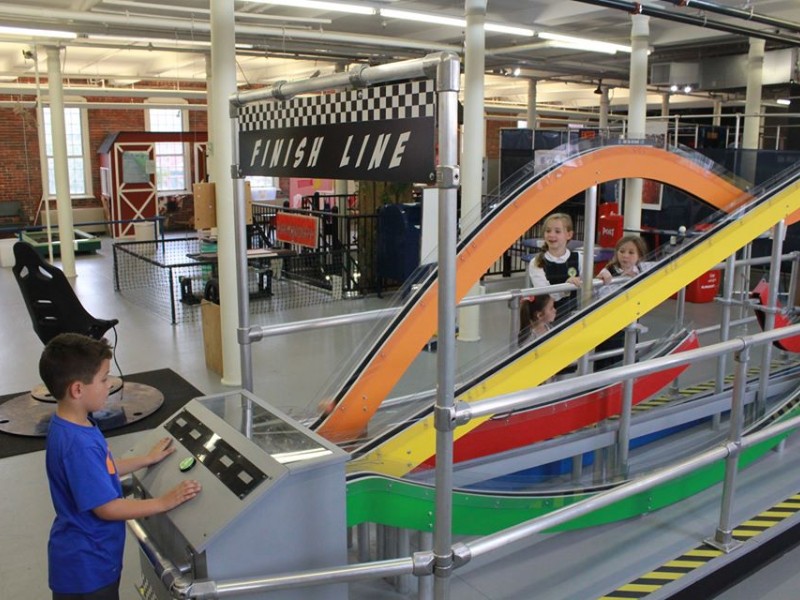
(177, 392)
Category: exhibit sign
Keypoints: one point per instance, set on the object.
(382, 133)
(302, 230)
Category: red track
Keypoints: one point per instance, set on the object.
(517, 429)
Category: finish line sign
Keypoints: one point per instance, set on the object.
(383, 133)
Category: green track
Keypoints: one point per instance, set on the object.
(399, 503)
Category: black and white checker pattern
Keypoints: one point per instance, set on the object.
(381, 103)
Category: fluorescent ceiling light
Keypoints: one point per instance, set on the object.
(406, 15)
(585, 47)
(591, 45)
(784, 101)
(43, 33)
(319, 5)
(510, 30)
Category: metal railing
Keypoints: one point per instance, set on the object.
(421, 563)
(346, 246)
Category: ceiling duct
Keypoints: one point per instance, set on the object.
(727, 72)
(637, 8)
(739, 13)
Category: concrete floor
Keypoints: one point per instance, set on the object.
(290, 372)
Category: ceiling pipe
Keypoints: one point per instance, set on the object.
(104, 105)
(669, 15)
(205, 11)
(30, 89)
(737, 13)
(74, 19)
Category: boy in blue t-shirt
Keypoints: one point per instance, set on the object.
(88, 535)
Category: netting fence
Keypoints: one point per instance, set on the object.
(169, 278)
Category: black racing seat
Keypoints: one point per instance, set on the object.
(52, 304)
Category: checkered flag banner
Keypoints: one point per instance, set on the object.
(381, 133)
(407, 100)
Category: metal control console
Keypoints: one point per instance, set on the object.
(273, 498)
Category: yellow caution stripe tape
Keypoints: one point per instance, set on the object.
(703, 554)
(704, 386)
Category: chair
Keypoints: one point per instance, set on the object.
(52, 304)
(54, 308)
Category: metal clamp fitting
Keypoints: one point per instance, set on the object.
(463, 413)
(444, 419)
(461, 554)
(743, 355)
(202, 590)
(422, 563)
(247, 336)
(448, 176)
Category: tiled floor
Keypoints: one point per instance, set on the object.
(290, 372)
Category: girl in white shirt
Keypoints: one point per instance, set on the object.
(629, 254)
(556, 263)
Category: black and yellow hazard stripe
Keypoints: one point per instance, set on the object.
(702, 555)
(702, 387)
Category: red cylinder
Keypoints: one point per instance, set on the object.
(609, 230)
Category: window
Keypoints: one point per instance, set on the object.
(77, 140)
(171, 157)
(262, 188)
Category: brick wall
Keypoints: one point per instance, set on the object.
(20, 173)
(493, 136)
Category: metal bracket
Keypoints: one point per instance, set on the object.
(463, 414)
(444, 419)
(443, 565)
(448, 176)
(461, 554)
(247, 336)
(236, 172)
(422, 563)
(515, 300)
(743, 355)
(723, 540)
(734, 448)
(201, 590)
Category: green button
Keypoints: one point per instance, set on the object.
(186, 464)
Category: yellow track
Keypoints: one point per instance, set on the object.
(388, 363)
(415, 444)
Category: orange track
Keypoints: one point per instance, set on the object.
(358, 403)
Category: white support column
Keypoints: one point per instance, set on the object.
(533, 114)
(752, 108)
(58, 132)
(602, 123)
(716, 120)
(637, 112)
(474, 144)
(223, 68)
(665, 104)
